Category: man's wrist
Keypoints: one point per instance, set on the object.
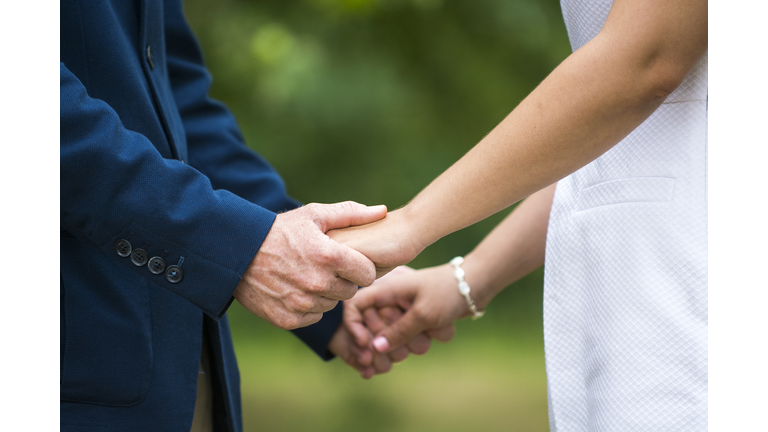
(318, 336)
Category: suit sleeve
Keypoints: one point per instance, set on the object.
(116, 186)
(217, 149)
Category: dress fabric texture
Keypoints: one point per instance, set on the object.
(625, 298)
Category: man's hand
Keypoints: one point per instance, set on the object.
(299, 272)
(389, 242)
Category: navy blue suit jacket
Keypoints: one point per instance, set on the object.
(148, 158)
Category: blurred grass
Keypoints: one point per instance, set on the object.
(489, 378)
(486, 384)
(369, 100)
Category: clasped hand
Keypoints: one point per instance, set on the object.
(299, 272)
(402, 310)
(318, 255)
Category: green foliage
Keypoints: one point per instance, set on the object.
(369, 100)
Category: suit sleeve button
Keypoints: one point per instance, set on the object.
(123, 248)
(156, 265)
(139, 257)
(174, 274)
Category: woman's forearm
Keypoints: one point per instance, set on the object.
(589, 103)
(512, 250)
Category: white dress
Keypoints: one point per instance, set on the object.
(625, 298)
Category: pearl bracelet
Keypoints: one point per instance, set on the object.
(459, 273)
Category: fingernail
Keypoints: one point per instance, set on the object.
(381, 344)
(378, 207)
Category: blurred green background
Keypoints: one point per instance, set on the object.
(369, 100)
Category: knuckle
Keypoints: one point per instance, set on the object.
(370, 277)
(420, 315)
(302, 281)
(312, 209)
(348, 205)
(293, 321)
(331, 305)
(311, 320)
(328, 256)
(427, 317)
(348, 289)
(300, 303)
(316, 285)
(286, 322)
(431, 320)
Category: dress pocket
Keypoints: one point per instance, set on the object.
(106, 355)
(626, 191)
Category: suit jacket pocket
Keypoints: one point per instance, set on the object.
(625, 191)
(106, 355)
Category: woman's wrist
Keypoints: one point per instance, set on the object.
(419, 229)
(479, 280)
(402, 236)
(450, 291)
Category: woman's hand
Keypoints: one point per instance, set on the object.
(363, 356)
(429, 297)
(389, 242)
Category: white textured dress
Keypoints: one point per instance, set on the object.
(625, 298)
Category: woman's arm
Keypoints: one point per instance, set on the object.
(589, 103)
(512, 250)
(430, 296)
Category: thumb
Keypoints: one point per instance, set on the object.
(346, 214)
(399, 332)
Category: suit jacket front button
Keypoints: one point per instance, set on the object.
(139, 257)
(150, 57)
(174, 274)
(123, 248)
